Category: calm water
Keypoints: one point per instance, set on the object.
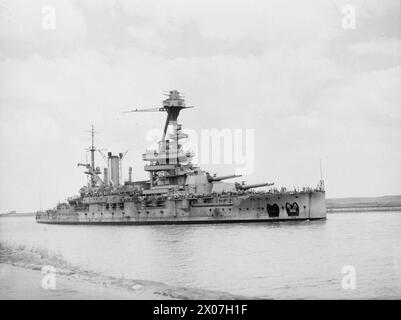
(271, 260)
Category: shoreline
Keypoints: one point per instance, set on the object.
(19, 283)
(21, 278)
(362, 209)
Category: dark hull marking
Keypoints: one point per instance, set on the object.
(292, 209)
(273, 210)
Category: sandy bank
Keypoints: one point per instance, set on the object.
(21, 283)
(21, 278)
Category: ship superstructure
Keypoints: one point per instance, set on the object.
(177, 191)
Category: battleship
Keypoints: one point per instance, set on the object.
(178, 191)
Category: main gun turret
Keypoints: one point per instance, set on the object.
(240, 186)
(219, 178)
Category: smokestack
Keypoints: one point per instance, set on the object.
(114, 167)
(130, 174)
(106, 176)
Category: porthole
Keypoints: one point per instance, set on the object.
(161, 211)
(210, 210)
(139, 212)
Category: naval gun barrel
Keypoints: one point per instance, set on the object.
(219, 178)
(250, 186)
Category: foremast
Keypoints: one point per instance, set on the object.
(93, 172)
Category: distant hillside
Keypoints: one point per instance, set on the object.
(21, 214)
(364, 202)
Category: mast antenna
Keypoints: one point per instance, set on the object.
(321, 172)
(321, 182)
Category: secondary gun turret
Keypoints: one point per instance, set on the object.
(240, 186)
(219, 178)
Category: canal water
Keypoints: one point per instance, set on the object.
(347, 256)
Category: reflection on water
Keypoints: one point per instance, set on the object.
(272, 260)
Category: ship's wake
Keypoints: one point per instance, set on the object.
(35, 258)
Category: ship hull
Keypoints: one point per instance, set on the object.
(251, 208)
(168, 222)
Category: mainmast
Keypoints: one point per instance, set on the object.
(92, 148)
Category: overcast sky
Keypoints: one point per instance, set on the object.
(310, 88)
